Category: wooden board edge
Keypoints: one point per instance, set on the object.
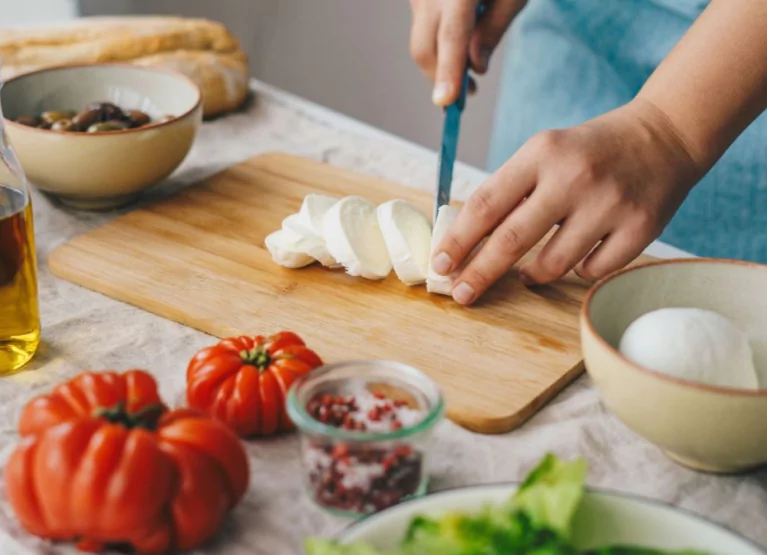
(504, 425)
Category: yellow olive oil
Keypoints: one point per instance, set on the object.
(19, 310)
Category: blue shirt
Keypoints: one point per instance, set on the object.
(571, 60)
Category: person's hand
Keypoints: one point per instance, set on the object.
(443, 34)
(610, 184)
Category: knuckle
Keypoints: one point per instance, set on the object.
(478, 277)
(480, 205)
(647, 224)
(590, 271)
(552, 266)
(546, 143)
(451, 31)
(422, 54)
(510, 240)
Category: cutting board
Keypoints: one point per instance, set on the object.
(199, 258)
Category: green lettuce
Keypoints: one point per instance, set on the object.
(537, 520)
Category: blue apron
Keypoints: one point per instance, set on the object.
(571, 60)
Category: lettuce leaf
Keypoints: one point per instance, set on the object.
(552, 493)
(537, 520)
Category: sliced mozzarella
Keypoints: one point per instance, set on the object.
(312, 244)
(407, 234)
(313, 211)
(436, 283)
(353, 237)
(287, 250)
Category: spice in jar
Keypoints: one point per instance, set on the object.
(363, 476)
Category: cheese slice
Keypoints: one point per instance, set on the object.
(287, 249)
(407, 234)
(313, 210)
(353, 237)
(311, 244)
(436, 283)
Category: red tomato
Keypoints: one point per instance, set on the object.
(103, 463)
(244, 381)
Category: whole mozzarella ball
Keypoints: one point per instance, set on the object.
(691, 344)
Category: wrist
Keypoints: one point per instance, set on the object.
(693, 156)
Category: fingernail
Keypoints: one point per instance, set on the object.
(441, 94)
(463, 293)
(442, 264)
(526, 280)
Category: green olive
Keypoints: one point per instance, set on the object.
(86, 118)
(106, 126)
(137, 118)
(63, 125)
(52, 116)
(31, 121)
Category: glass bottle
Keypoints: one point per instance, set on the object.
(19, 309)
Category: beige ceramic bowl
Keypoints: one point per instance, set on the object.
(714, 429)
(102, 170)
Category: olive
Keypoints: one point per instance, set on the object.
(64, 125)
(52, 116)
(106, 126)
(86, 118)
(31, 121)
(137, 118)
(107, 110)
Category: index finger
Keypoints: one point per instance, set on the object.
(485, 209)
(455, 30)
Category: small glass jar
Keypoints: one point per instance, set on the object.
(364, 429)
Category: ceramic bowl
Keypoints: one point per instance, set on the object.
(602, 519)
(102, 170)
(708, 428)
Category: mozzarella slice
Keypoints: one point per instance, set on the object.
(435, 283)
(287, 250)
(407, 234)
(353, 237)
(313, 211)
(311, 244)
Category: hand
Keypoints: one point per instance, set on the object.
(611, 185)
(445, 31)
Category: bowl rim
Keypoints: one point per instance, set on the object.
(586, 320)
(124, 65)
(588, 489)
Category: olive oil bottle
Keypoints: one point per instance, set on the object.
(19, 310)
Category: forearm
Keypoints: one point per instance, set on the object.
(714, 82)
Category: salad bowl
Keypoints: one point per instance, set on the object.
(552, 512)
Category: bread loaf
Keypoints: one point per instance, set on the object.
(203, 50)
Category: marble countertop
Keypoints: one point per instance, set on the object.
(84, 330)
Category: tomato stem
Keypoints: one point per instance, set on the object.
(144, 418)
(258, 357)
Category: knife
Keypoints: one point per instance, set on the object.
(452, 127)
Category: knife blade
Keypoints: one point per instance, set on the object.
(450, 131)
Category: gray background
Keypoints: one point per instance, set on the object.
(349, 55)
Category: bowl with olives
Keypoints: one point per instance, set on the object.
(98, 136)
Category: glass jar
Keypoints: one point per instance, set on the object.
(364, 429)
(19, 310)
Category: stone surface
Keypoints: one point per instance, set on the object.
(84, 330)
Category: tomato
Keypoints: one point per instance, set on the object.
(133, 391)
(244, 381)
(104, 463)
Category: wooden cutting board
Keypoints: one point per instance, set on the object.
(198, 258)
